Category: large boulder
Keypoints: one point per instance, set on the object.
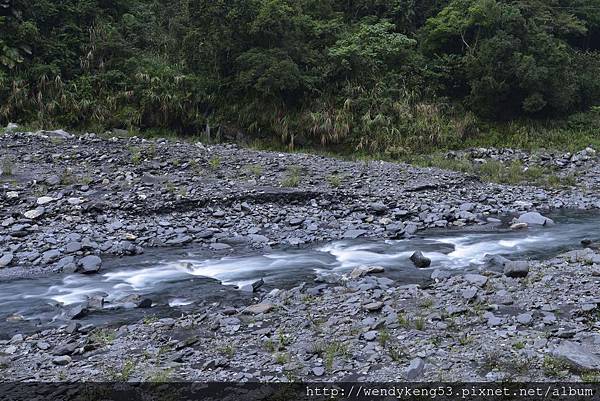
(89, 264)
(579, 357)
(534, 218)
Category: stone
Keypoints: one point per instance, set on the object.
(145, 303)
(420, 260)
(51, 256)
(476, 279)
(73, 247)
(42, 345)
(365, 271)
(219, 246)
(62, 360)
(6, 259)
(519, 226)
(252, 287)
(353, 234)
(78, 312)
(469, 293)
(579, 357)
(318, 371)
(534, 218)
(378, 208)
(370, 335)
(415, 369)
(516, 269)
(89, 264)
(524, 318)
(257, 309)
(373, 306)
(35, 213)
(45, 200)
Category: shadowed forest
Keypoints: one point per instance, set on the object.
(387, 77)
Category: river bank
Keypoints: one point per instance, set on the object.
(76, 204)
(66, 197)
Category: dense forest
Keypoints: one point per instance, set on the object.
(386, 76)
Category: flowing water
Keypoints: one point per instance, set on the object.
(180, 280)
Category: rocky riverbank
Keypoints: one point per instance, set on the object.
(361, 326)
(70, 202)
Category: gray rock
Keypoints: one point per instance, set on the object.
(370, 335)
(373, 306)
(476, 279)
(469, 293)
(353, 234)
(378, 208)
(579, 357)
(35, 213)
(89, 264)
(51, 256)
(257, 309)
(420, 260)
(73, 247)
(415, 369)
(62, 360)
(524, 318)
(516, 269)
(318, 371)
(6, 259)
(534, 218)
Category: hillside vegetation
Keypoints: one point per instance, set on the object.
(389, 77)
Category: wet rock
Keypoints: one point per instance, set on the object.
(144, 303)
(420, 260)
(252, 287)
(78, 312)
(89, 265)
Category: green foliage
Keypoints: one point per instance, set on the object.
(391, 77)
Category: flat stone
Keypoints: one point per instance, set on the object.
(579, 357)
(373, 306)
(45, 200)
(257, 309)
(476, 279)
(524, 318)
(35, 213)
(353, 234)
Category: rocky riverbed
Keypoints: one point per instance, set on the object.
(70, 203)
